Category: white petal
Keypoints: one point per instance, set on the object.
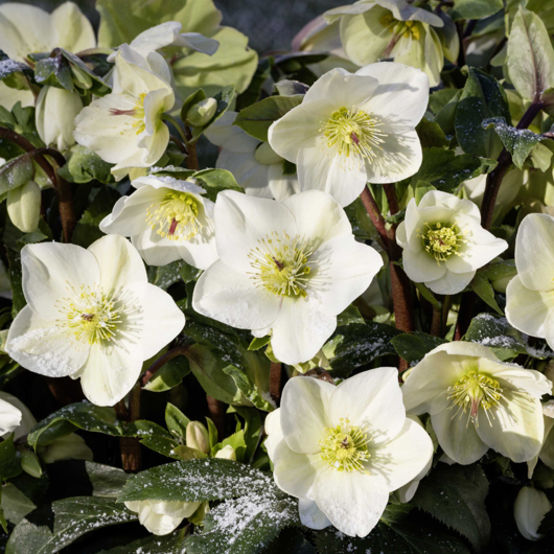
(353, 501)
(348, 267)
(515, 430)
(311, 516)
(530, 381)
(420, 266)
(10, 417)
(110, 373)
(230, 137)
(480, 250)
(73, 30)
(402, 459)
(457, 436)
(535, 241)
(372, 398)
(530, 507)
(402, 94)
(51, 270)
(161, 318)
(303, 413)
(300, 330)
(119, 261)
(318, 215)
(526, 309)
(242, 220)
(42, 346)
(341, 88)
(232, 298)
(451, 283)
(272, 426)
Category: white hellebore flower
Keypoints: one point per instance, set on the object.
(256, 167)
(167, 220)
(55, 114)
(443, 242)
(10, 416)
(125, 127)
(26, 29)
(342, 450)
(530, 507)
(530, 294)
(162, 517)
(477, 402)
(355, 127)
(91, 314)
(284, 267)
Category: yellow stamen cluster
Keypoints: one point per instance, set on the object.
(140, 124)
(176, 216)
(441, 240)
(353, 131)
(280, 264)
(93, 316)
(345, 447)
(475, 390)
(406, 29)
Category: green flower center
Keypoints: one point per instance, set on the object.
(353, 131)
(406, 29)
(474, 390)
(441, 240)
(280, 264)
(176, 217)
(345, 447)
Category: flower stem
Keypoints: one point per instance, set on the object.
(275, 380)
(161, 361)
(131, 454)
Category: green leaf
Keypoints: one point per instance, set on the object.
(428, 295)
(455, 495)
(216, 180)
(53, 70)
(225, 98)
(166, 544)
(474, 9)
(106, 481)
(16, 173)
(9, 68)
(444, 170)
(15, 504)
(245, 525)
(176, 421)
(481, 98)
(169, 375)
(256, 118)
(530, 55)
(259, 342)
(507, 342)
(10, 465)
(155, 437)
(518, 142)
(84, 166)
(413, 346)
(164, 276)
(483, 289)
(29, 537)
(247, 388)
(195, 480)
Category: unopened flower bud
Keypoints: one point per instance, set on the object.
(196, 436)
(201, 113)
(265, 155)
(23, 204)
(55, 115)
(530, 507)
(227, 453)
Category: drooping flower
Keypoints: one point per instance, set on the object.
(26, 29)
(286, 268)
(371, 30)
(10, 416)
(355, 127)
(530, 294)
(443, 242)
(91, 314)
(256, 167)
(125, 127)
(477, 402)
(161, 517)
(167, 220)
(530, 507)
(342, 450)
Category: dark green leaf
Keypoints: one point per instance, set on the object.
(256, 118)
(413, 346)
(483, 289)
(475, 9)
(106, 481)
(28, 537)
(455, 495)
(176, 421)
(259, 342)
(84, 166)
(169, 375)
(195, 480)
(166, 544)
(10, 465)
(15, 504)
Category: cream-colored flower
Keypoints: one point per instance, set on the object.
(10, 416)
(167, 220)
(443, 242)
(342, 450)
(286, 268)
(26, 29)
(352, 128)
(256, 167)
(530, 294)
(477, 402)
(161, 517)
(530, 507)
(125, 127)
(91, 314)
(371, 30)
